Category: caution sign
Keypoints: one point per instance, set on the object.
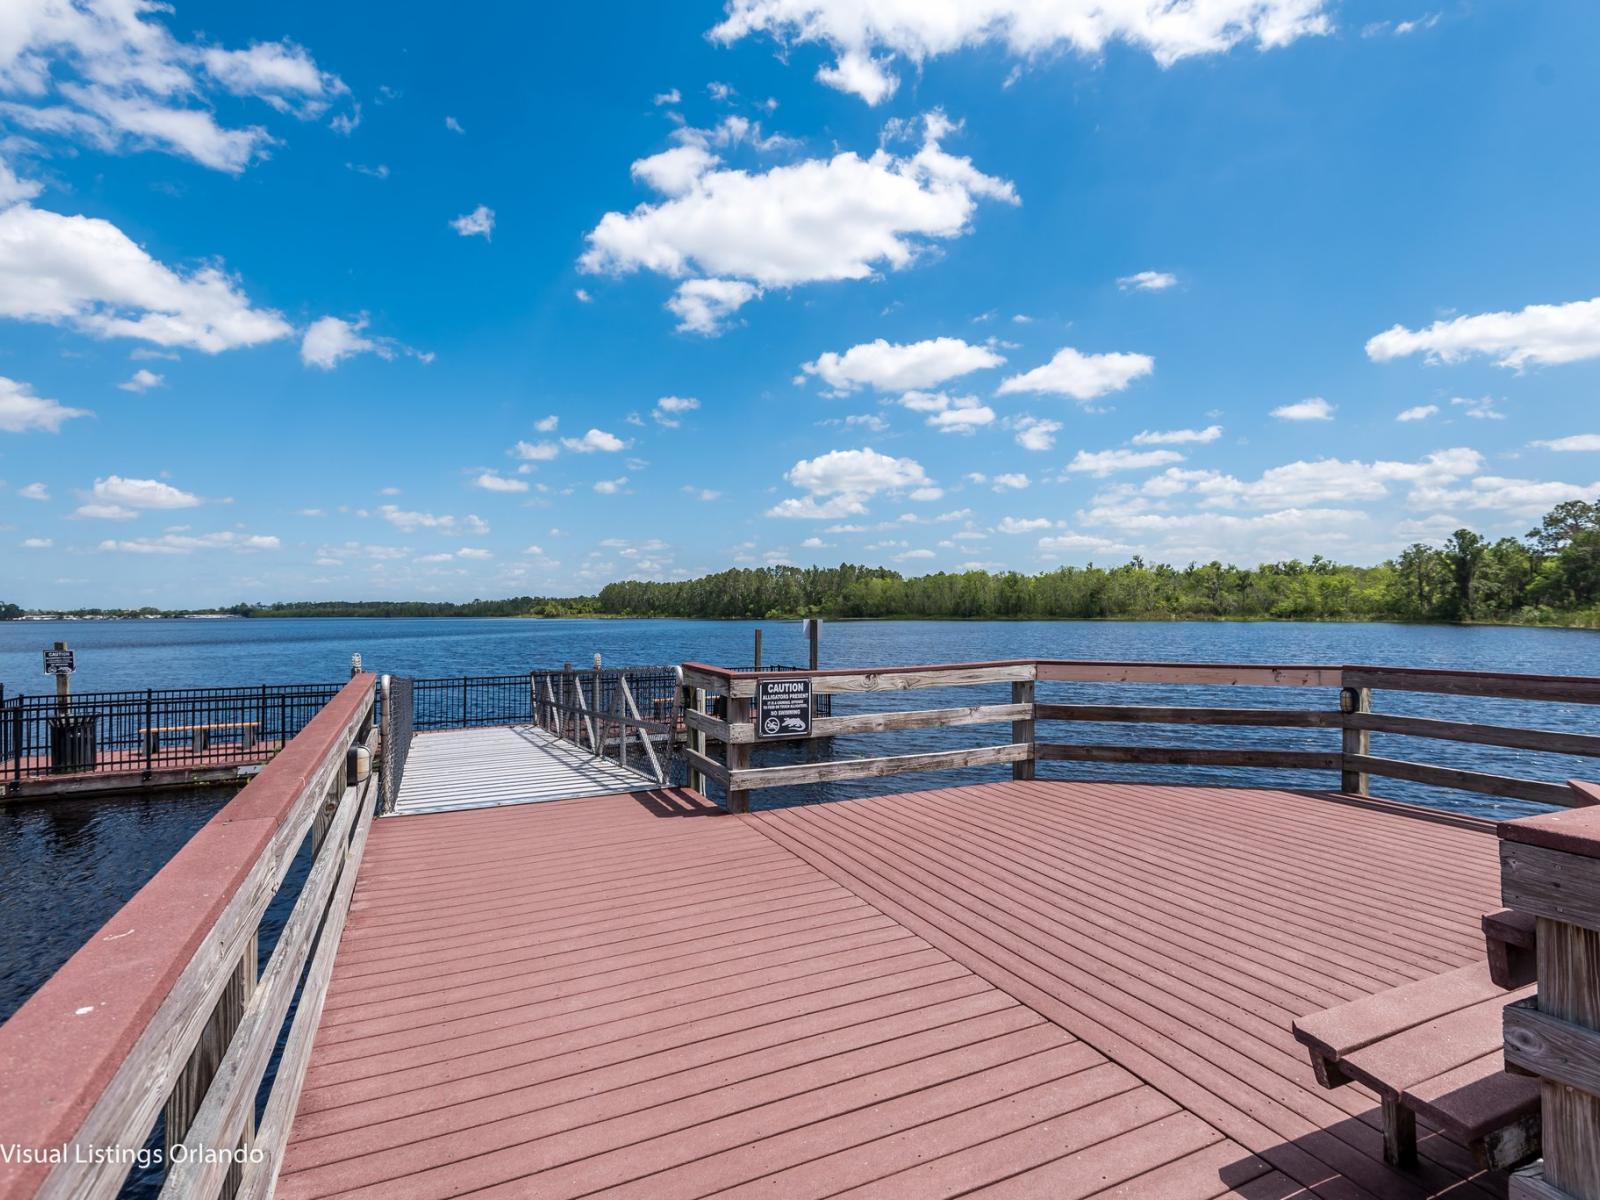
(783, 708)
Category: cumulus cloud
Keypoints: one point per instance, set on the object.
(596, 440)
(1547, 334)
(184, 543)
(896, 368)
(1177, 437)
(477, 223)
(867, 36)
(1035, 433)
(140, 493)
(33, 491)
(411, 522)
(949, 414)
(493, 481)
(1101, 463)
(1576, 441)
(37, 543)
(839, 483)
(610, 487)
(1023, 524)
(535, 451)
(1419, 412)
(113, 75)
(704, 305)
(22, 411)
(142, 380)
(1083, 377)
(669, 410)
(86, 273)
(1147, 281)
(330, 340)
(1314, 408)
(810, 221)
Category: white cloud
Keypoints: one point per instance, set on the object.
(839, 483)
(1541, 333)
(142, 380)
(493, 481)
(1147, 281)
(1177, 437)
(704, 305)
(670, 96)
(535, 451)
(1576, 441)
(811, 221)
(669, 410)
(593, 441)
(477, 223)
(1481, 409)
(866, 36)
(13, 189)
(474, 553)
(1014, 481)
(453, 125)
(1035, 433)
(1023, 524)
(1083, 377)
(105, 72)
(329, 341)
(547, 424)
(1101, 463)
(37, 543)
(610, 487)
(896, 368)
(1066, 542)
(410, 522)
(1314, 408)
(33, 491)
(183, 543)
(86, 273)
(21, 411)
(114, 490)
(1419, 412)
(949, 414)
(1523, 498)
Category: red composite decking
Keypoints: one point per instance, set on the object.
(1030, 989)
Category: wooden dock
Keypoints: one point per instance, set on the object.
(521, 764)
(565, 982)
(1003, 989)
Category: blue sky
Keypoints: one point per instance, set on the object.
(340, 301)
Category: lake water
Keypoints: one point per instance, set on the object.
(66, 866)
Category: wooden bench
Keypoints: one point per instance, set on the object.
(1510, 943)
(200, 738)
(1434, 1049)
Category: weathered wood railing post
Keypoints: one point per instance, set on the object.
(738, 754)
(1550, 867)
(1022, 692)
(1354, 743)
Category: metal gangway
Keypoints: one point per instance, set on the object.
(487, 741)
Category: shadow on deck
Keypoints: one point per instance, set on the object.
(1025, 989)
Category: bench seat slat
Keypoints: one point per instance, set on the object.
(1475, 1099)
(1433, 1048)
(1345, 1028)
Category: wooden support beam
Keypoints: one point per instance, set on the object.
(1022, 729)
(738, 756)
(865, 768)
(1355, 742)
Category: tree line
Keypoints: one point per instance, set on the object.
(1549, 576)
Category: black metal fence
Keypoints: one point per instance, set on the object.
(156, 728)
(481, 701)
(398, 713)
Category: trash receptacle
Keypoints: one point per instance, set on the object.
(72, 744)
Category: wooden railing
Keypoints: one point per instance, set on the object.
(164, 1009)
(1350, 691)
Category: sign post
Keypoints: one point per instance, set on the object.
(59, 662)
(783, 708)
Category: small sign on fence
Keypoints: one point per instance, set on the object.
(783, 708)
(58, 662)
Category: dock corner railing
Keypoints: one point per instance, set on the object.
(718, 712)
(168, 1010)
